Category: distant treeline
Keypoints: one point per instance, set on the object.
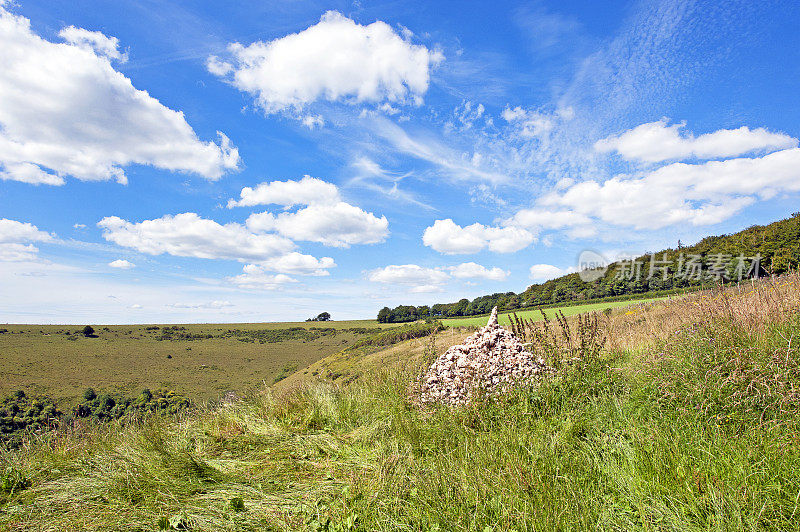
(756, 251)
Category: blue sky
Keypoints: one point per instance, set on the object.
(153, 155)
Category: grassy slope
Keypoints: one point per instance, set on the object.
(568, 310)
(42, 359)
(688, 422)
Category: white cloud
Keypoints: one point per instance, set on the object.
(18, 252)
(122, 264)
(189, 235)
(95, 41)
(529, 123)
(254, 278)
(15, 238)
(472, 270)
(337, 225)
(79, 226)
(545, 272)
(699, 194)
(299, 264)
(12, 231)
(445, 236)
(334, 60)
(325, 218)
(313, 121)
(65, 111)
(658, 141)
(288, 193)
(211, 305)
(417, 278)
(536, 219)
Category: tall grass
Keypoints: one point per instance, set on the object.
(687, 425)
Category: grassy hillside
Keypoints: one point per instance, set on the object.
(688, 420)
(199, 361)
(536, 314)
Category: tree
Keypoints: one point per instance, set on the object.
(323, 316)
(88, 331)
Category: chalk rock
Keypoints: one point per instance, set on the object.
(491, 360)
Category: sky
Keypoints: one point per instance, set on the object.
(165, 162)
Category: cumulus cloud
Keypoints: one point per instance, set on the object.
(336, 59)
(545, 272)
(299, 264)
(417, 278)
(189, 235)
(325, 218)
(253, 277)
(65, 111)
(445, 236)
(121, 264)
(699, 194)
(16, 238)
(659, 141)
(472, 270)
(337, 225)
(288, 193)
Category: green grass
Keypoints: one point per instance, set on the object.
(536, 315)
(56, 360)
(603, 448)
(699, 429)
(606, 451)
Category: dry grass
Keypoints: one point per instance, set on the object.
(750, 305)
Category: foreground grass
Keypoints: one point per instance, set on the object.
(698, 430)
(536, 314)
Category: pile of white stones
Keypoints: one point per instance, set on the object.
(490, 361)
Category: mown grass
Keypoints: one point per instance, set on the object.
(694, 428)
(536, 314)
(201, 361)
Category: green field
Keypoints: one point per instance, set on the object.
(201, 361)
(536, 314)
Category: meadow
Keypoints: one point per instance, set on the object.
(201, 361)
(684, 417)
(536, 314)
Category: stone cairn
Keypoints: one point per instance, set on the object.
(490, 361)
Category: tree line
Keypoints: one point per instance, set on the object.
(756, 251)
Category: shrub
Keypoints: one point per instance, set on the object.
(105, 407)
(20, 414)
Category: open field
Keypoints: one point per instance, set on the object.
(688, 419)
(568, 310)
(205, 361)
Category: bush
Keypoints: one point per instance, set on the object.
(88, 331)
(20, 414)
(105, 407)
